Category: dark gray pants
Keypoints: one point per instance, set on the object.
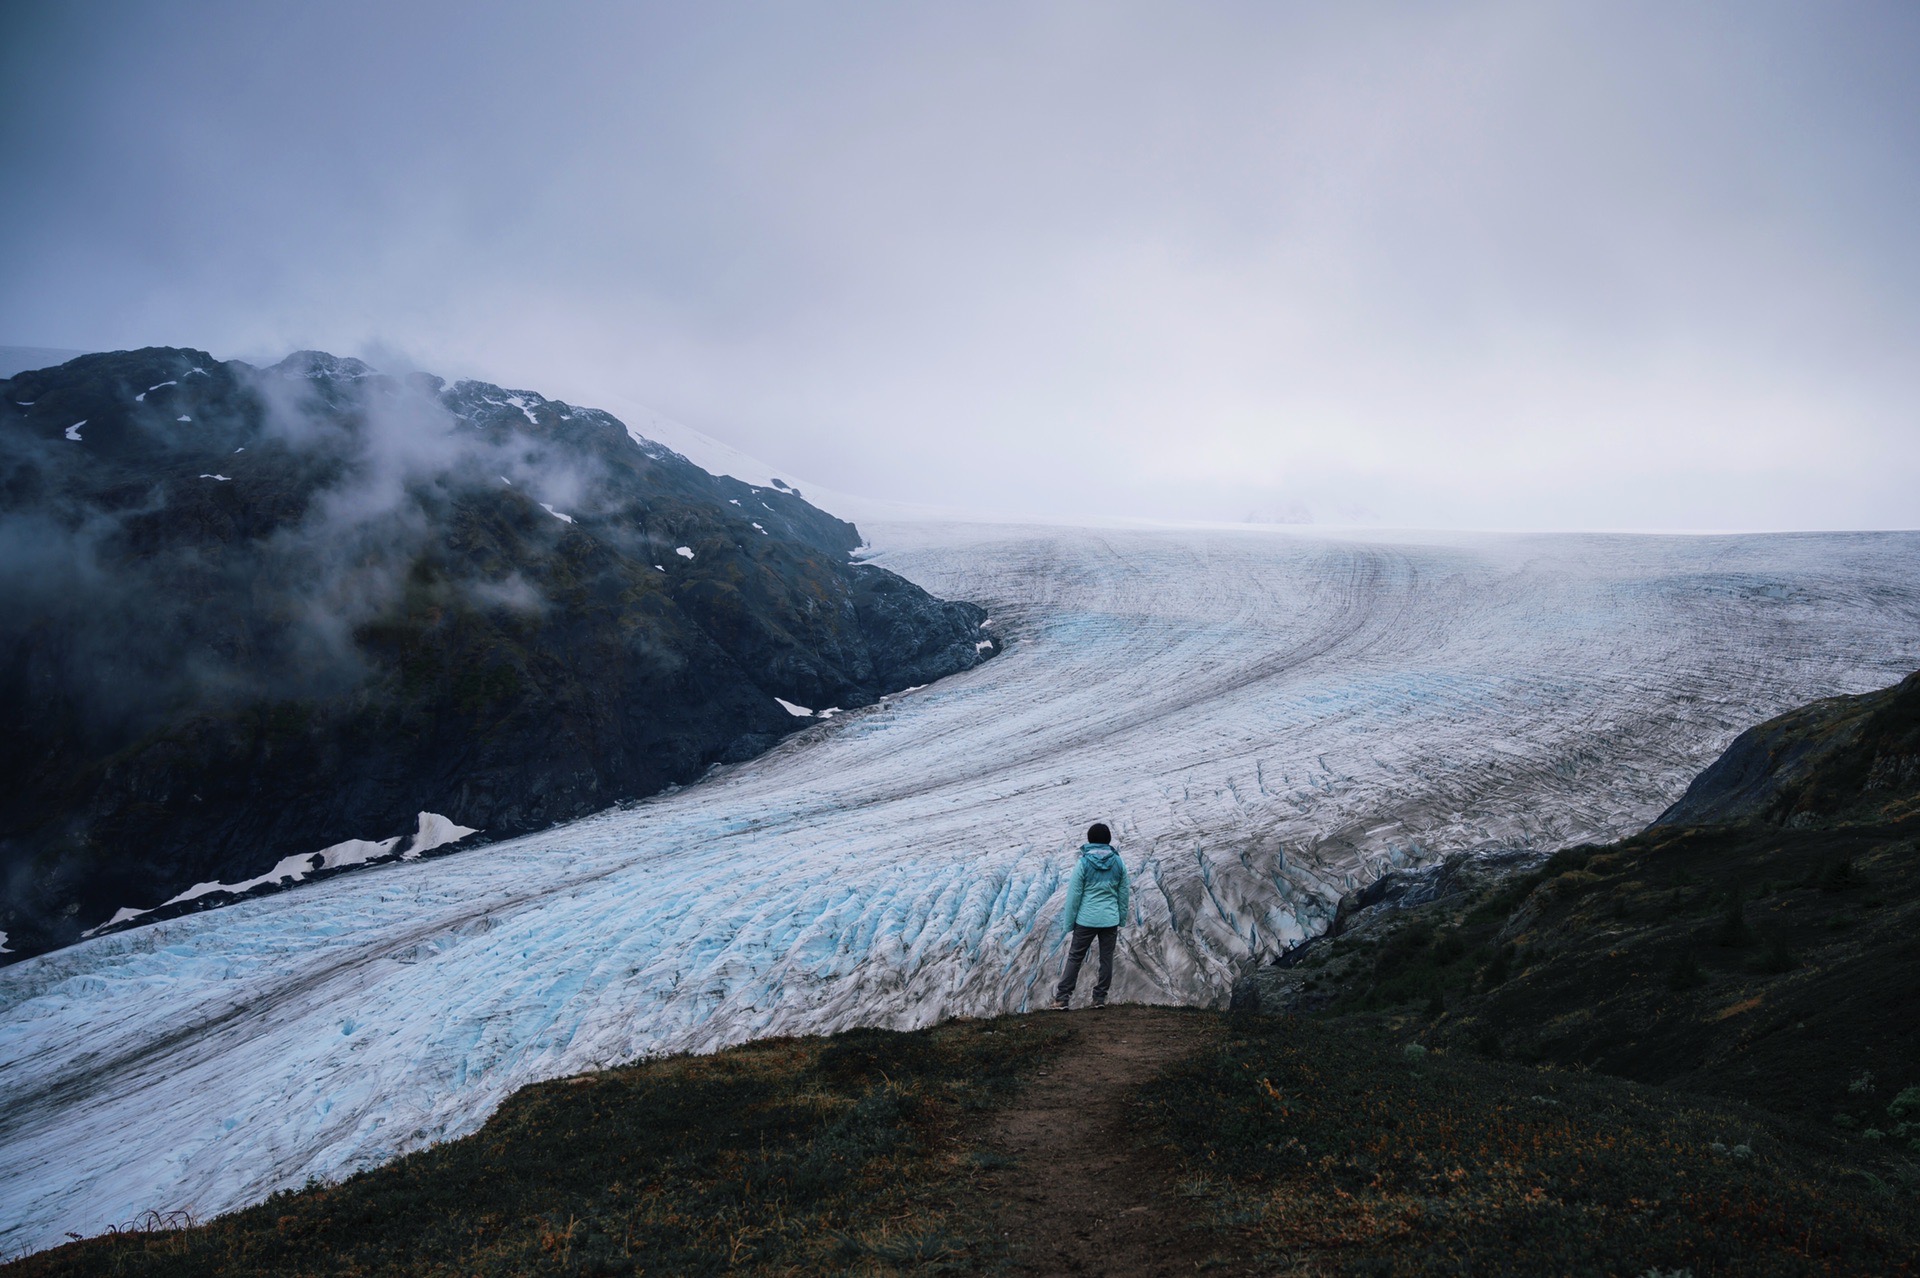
(1077, 954)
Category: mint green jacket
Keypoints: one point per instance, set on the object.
(1097, 892)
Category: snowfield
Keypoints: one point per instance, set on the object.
(1265, 718)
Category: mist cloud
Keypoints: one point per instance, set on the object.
(136, 591)
(1495, 264)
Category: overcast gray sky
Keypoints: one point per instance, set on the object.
(1484, 264)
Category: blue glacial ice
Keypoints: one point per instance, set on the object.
(1265, 718)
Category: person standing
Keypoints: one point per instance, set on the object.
(1096, 906)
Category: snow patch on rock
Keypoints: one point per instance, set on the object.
(356, 852)
(286, 868)
(435, 831)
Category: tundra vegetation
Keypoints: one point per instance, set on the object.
(812, 1155)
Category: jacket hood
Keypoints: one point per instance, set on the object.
(1100, 856)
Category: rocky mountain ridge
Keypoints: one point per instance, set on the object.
(1757, 941)
(258, 613)
(1841, 761)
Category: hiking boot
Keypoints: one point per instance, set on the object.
(1059, 1004)
(1099, 1003)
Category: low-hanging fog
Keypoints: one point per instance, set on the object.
(136, 604)
(1487, 264)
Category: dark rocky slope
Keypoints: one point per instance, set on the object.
(251, 613)
(1842, 761)
(1760, 941)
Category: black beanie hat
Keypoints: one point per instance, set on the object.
(1099, 833)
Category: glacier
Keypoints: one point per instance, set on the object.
(1266, 718)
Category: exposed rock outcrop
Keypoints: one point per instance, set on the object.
(1845, 760)
(253, 613)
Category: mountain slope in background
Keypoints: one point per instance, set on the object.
(255, 613)
(1842, 761)
(1761, 940)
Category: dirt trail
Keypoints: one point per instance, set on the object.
(1081, 1196)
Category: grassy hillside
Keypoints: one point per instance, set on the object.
(1694, 1050)
(1324, 1145)
(1774, 965)
(1841, 761)
(844, 1154)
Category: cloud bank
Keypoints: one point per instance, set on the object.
(1493, 264)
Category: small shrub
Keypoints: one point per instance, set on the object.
(1776, 959)
(1685, 974)
(1414, 1053)
(1568, 885)
(1904, 1114)
(1733, 932)
(1501, 903)
(1404, 948)
(1568, 859)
